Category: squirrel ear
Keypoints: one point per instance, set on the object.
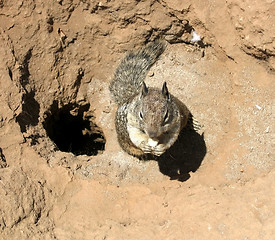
(165, 91)
(144, 89)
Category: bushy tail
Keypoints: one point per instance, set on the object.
(133, 69)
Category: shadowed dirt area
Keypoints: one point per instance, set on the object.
(62, 172)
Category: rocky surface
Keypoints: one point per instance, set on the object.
(62, 172)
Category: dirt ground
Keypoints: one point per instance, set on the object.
(62, 172)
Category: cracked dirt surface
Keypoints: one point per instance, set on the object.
(62, 172)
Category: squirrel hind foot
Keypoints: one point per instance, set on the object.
(193, 123)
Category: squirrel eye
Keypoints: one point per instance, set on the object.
(140, 115)
(166, 116)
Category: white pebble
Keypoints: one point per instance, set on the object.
(195, 37)
(257, 106)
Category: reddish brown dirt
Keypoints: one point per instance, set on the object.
(57, 59)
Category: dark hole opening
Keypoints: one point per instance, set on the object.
(73, 130)
(30, 112)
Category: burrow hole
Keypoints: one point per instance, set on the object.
(72, 129)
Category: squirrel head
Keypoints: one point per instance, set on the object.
(153, 119)
(155, 111)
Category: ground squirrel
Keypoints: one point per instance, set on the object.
(148, 120)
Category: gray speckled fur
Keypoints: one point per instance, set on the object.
(133, 69)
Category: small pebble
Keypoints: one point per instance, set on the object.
(257, 106)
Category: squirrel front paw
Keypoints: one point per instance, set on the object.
(156, 150)
(159, 149)
(145, 147)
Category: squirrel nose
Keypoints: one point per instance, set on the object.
(152, 134)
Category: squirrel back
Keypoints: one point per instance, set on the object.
(132, 70)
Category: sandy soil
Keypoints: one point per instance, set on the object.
(62, 172)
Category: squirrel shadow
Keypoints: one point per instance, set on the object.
(184, 156)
